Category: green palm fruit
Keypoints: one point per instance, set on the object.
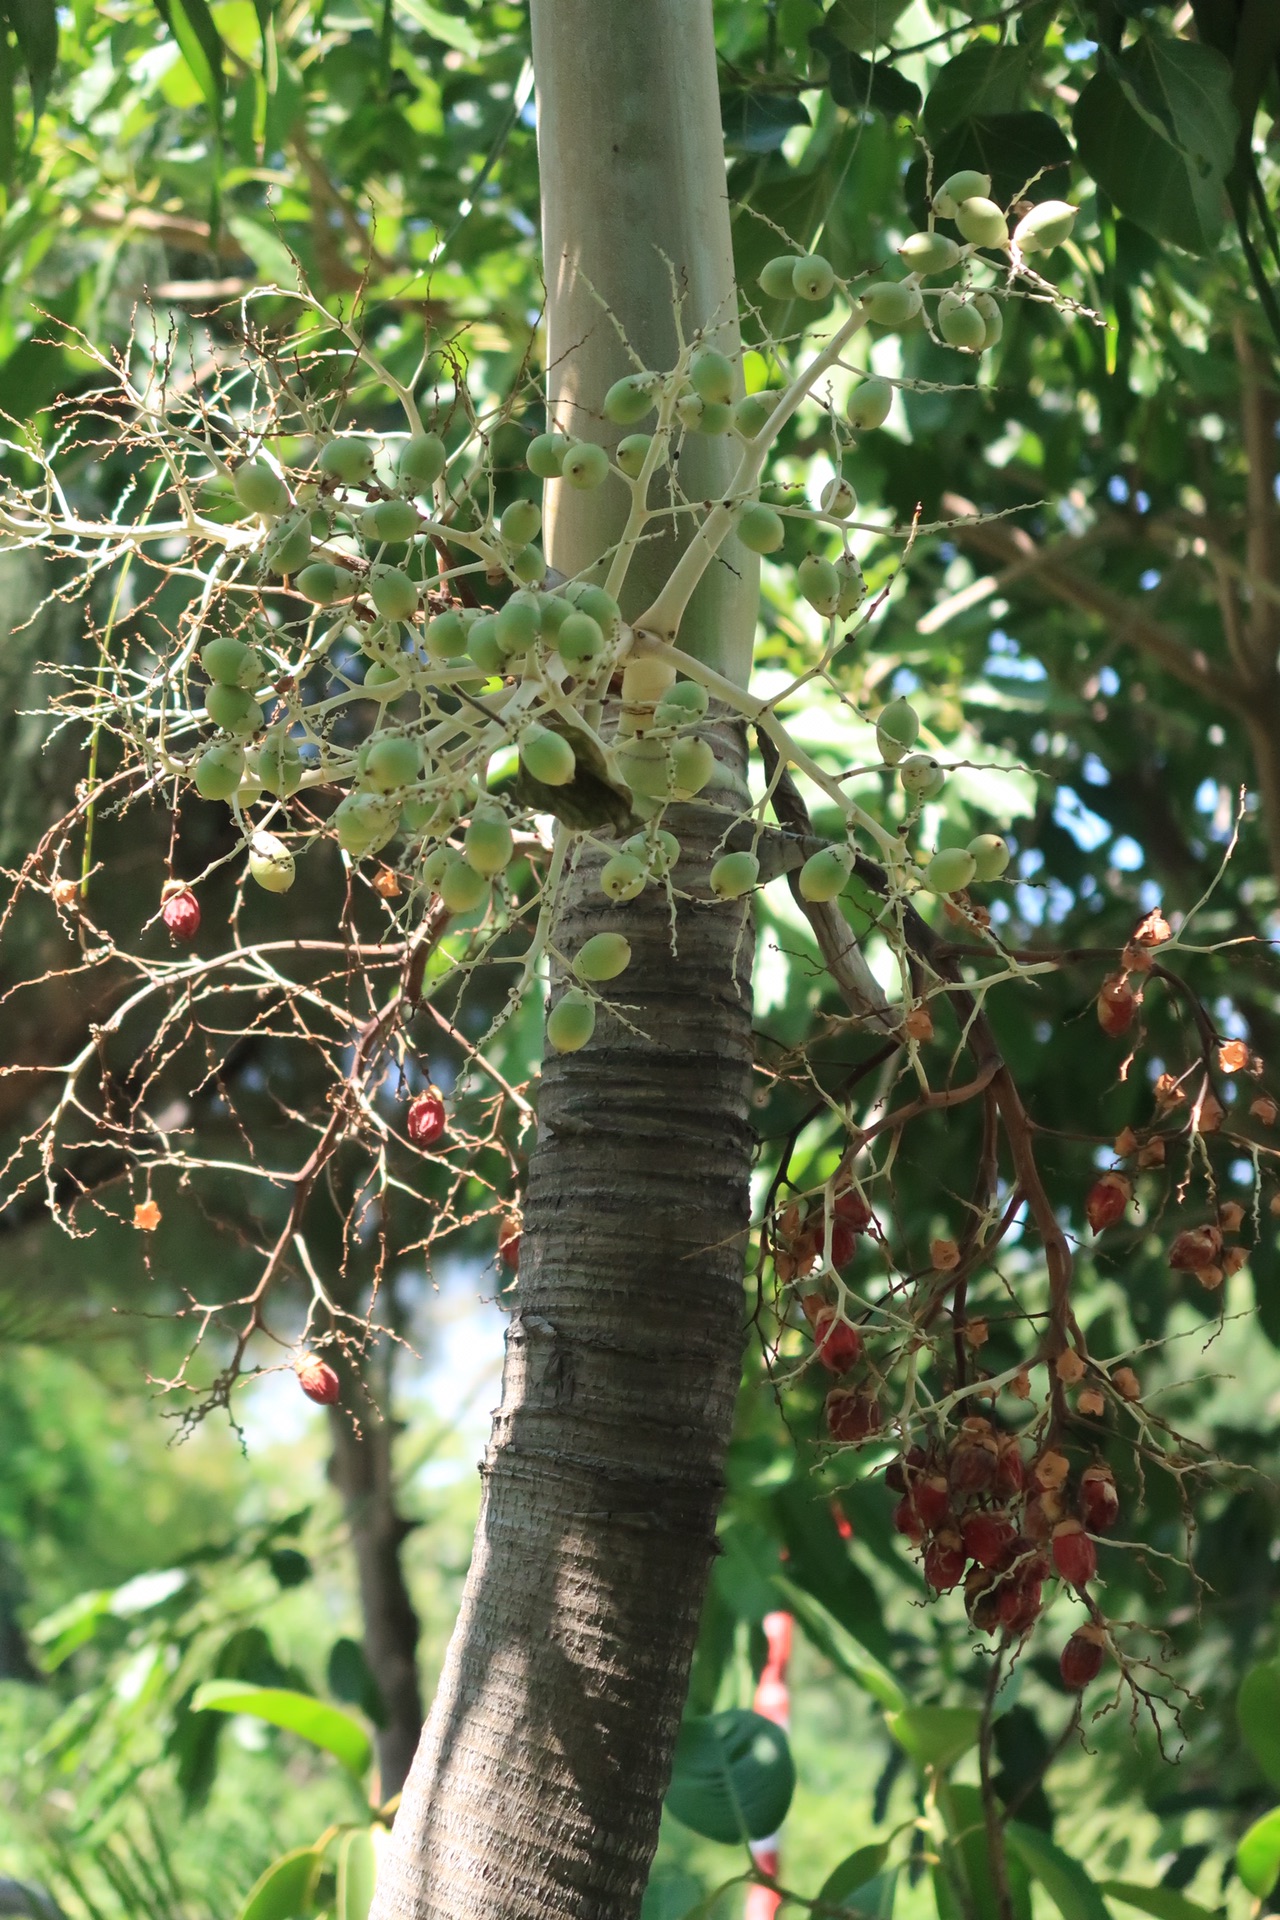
(289, 547)
(921, 776)
(1045, 227)
(461, 886)
(990, 856)
(394, 594)
(279, 765)
(659, 853)
(950, 869)
(622, 877)
(347, 459)
(632, 452)
(483, 644)
(555, 611)
(324, 584)
(393, 761)
(777, 277)
(982, 222)
(446, 636)
(546, 455)
(230, 662)
(383, 680)
(518, 624)
(711, 375)
(824, 874)
(364, 822)
(812, 277)
(631, 398)
(992, 317)
(679, 705)
(602, 606)
(234, 709)
(748, 416)
(390, 520)
(530, 566)
(218, 770)
(960, 323)
(714, 416)
(259, 488)
(487, 845)
(584, 465)
(734, 874)
(760, 529)
(853, 588)
(819, 582)
(897, 728)
(646, 767)
(869, 405)
(928, 253)
(271, 863)
(579, 639)
(571, 1021)
(420, 462)
(693, 766)
(838, 498)
(891, 303)
(603, 957)
(965, 185)
(520, 522)
(548, 756)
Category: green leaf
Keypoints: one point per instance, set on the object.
(191, 25)
(1258, 1712)
(860, 24)
(840, 1648)
(1162, 1903)
(820, 1561)
(733, 1776)
(982, 81)
(1073, 1891)
(1156, 127)
(854, 1871)
(1258, 1854)
(35, 22)
(284, 1891)
(446, 27)
(858, 85)
(357, 1871)
(313, 1720)
(759, 122)
(935, 1736)
(61, 1632)
(966, 1858)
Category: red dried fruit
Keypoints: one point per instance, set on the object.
(981, 1601)
(932, 1500)
(907, 1521)
(1010, 1472)
(986, 1535)
(907, 1468)
(851, 1209)
(1099, 1501)
(1082, 1657)
(181, 914)
(1051, 1469)
(972, 1466)
(1042, 1514)
(317, 1379)
(1106, 1201)
(1018, 1603)
(852, 1413)
(509, 1243)
(1233, 1055)
(1074, 1554)
(839, 1345)
(1117, 1004)
(426, 1119)
(944, 1561)
(1154, 930)
(1126, 1383)
(1194, 1248)
(1264, 1109)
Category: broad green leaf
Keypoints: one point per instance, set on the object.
(855, 1871)
(1073, 1891)
(357, 1871)
(446, 27)
(840, 1647)
(1162, 1903)
(759, 122)
(858, 85)
(733, 1776)
(935, 1736)
(313, 1720)
(981, 81)
(966, 1858)
(284, 1891)
(35, 22)
(61, 1632)
(861, 24)
(1157, 128)
(1258, 1854)
(1258, 1712)
(191, 25)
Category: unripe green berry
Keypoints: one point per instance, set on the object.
(520, 522)
(897, 728)
(324, 584)
(420, 462)
(646, 767)
(660, 852)
(715, 418)
(734, 874)
(819, 582)
(393, 593)
(289, 547)
(982, 222)
(217, 772)
(384, 681)
(602, 606)
(259, 488)
(530, 566)
(487, 845)
(632, 453)
(584, 465)
(230, 662)
(838, 497)
(891, 303)
(483, 644)
(603, 957)
(992, 317)
(679, 705)
(950, 869)
(390, 520)
(968, 184)
(749, 415)
(571, 1021)
(518, 624)
(630, 399)
(279, 765)
(928, 253)
(579, 639)
(990, 856)
(921, 776)
(693, 765)
(711, 375)
(1045, 227)
(347, 459)
(777, 277)
(393, 761)
(960, 324)
(869, 405)
(812, 277)
(461, 886)
(271, 863)
(555, 611)
(363, 822)
(546, 455)
(825, 873)
(234, 709)
(759, 528)
(853, 588)
(548, 756)
(622, 877)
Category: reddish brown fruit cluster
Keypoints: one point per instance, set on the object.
(852, 1414)
(1074, 1554)
(838, 1344)
(1099, 1501)
(1081, 1659)
(426, 1119)
(1117, 1004)
(801, 1234)
(1198, 1250)
(1106, 1201)
(181, 913)
(317, 1379)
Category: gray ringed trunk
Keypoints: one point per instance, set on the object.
(538, 1786)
